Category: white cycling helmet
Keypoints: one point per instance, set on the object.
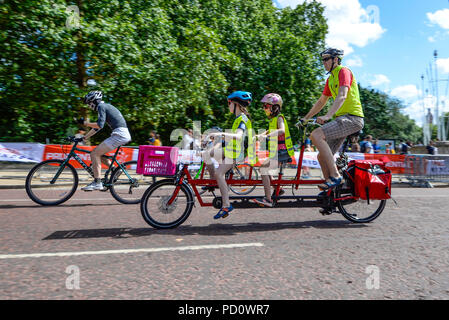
(93, 98)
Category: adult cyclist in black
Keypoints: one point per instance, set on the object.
(109, 114)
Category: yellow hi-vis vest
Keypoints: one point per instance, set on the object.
(352, 103)
(233, 150)
(273, 148)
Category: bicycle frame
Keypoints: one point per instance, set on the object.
(184, 176)
(73, 154)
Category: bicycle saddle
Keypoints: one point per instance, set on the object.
(283, 161)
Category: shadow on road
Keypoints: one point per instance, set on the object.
(36, 206)
(211, 230)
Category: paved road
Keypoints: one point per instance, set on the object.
(97, 248)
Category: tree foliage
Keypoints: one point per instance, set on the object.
(163, 63)
(384, 119)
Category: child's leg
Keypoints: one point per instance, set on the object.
(215, 153)
(207, 158)
(221, 180)
(266, 178)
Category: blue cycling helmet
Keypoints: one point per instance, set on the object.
(243, 98)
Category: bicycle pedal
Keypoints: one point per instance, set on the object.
(225, 215)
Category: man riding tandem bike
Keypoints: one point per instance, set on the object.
(359, 194)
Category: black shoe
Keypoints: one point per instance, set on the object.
(326, 211)
(281, 192)
(207, 188)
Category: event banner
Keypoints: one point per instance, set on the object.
(36, 152)
(21, 152)
(60, 152)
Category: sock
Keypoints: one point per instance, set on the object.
(97, 180)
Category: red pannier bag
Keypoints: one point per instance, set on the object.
(372, 180)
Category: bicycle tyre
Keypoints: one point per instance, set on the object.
(149, 214)
(346, 211)
(134, 194)
(238, 172)
(33, 190)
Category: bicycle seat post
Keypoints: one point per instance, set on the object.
(281, 170)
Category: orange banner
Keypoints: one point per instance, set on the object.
(57, 151)
(394, 162)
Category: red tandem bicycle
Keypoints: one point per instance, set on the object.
(360, 198)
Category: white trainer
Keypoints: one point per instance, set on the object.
(93, 186)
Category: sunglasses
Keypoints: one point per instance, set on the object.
(325, 59)
(267, 106)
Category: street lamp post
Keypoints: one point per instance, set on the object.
(437, 114)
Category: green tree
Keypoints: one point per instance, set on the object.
(384, 119)
(162, 63)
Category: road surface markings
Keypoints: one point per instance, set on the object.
(143, 250)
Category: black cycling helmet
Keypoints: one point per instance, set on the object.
(93, 98)
(335, 53)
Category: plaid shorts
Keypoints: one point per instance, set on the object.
(337, 130)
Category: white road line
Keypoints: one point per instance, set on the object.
(82, 253)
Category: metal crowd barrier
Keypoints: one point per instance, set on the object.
(423, 170)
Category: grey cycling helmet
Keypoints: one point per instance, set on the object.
(93, 98)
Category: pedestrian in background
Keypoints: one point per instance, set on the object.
(366, 146)
(376, 146)
(157, 141)
(389, 149)
(405, 147)
(355, 147)
(431, 149)
(152, 138)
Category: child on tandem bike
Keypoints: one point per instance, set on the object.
(234, 149)
(280, 144)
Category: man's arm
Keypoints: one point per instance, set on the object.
(317, 107)
(96, 126)
(94, 130)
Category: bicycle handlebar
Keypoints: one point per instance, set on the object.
(73, 139)
(306, 123)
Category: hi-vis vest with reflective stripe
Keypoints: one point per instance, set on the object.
(274, 139)
(352, 103)
(233, 149)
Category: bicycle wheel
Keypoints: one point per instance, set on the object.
(242, 172)
(358, 211)
(155, 210)
(125, 190)
(41, 188)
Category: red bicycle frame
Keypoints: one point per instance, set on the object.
(277, 183)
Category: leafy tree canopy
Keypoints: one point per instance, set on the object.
(164, 64)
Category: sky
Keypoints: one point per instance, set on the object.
(390, 44)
